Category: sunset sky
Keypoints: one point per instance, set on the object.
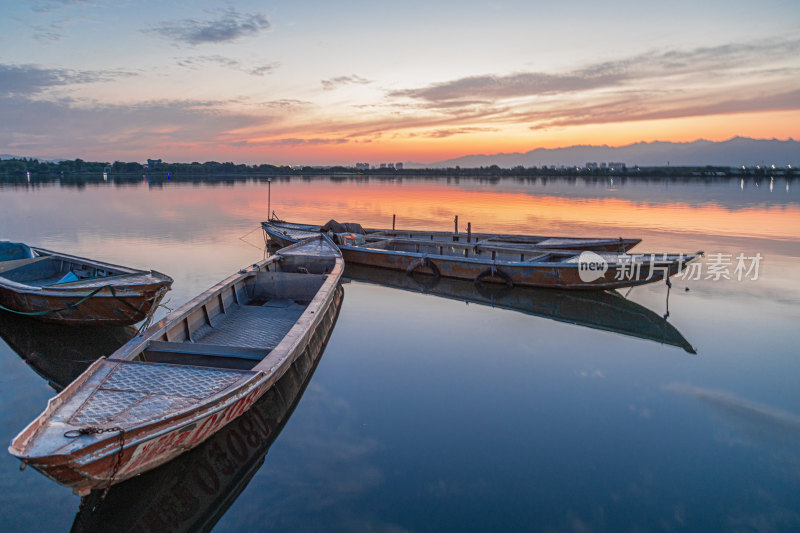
(308, 82)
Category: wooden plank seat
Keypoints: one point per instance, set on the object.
(6, 266)
(202, 354)
(214, 350)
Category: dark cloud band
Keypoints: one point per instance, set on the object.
(229, 26)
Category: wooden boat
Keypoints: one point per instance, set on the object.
(511, 265)
(194, 491)
(60, 288)
(173, 386)
(295, 231)
(600, 310)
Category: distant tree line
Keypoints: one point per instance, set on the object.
(80, 171)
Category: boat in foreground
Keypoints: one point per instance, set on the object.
(511, 265)
(192, 492)
(65, 289)
(297, 231)
(187, 376)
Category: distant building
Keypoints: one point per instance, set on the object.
(616, 166)
(591, 166)
(362, 166)
(153, 163)
(383, 165)
(398, 166)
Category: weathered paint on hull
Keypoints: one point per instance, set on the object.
(102, 309)
(596, 244)
(532, 275)
(155, 444)
(600, 245)
(193, 491)
(280, 240)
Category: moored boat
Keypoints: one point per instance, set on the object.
(511, 265)
(192, 492)
(187, 376)
(65, 289)
(288, 232)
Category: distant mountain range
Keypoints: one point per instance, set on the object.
(734, 152)
(731, 153)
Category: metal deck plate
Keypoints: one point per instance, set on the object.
(252, 327)
(295, 234)
(318, 248)
(135, 392)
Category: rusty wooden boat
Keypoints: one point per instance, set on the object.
(602, 244)
(193, 492)
(511, 265)
(173, 386)
(65, 289)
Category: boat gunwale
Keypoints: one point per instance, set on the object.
(659, 260)
(521, 239)
(134, 433)
(186, 309)
(73, 289)
(270, 228)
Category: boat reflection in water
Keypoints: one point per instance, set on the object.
(57, 352)
(604, 310)
(193, 491)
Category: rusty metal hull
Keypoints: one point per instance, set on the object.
(126, 306)
(149, 411)
(530, 273)
(598, 244)
(279, 238)
(192, 492)
(108, 295)
(502, 263)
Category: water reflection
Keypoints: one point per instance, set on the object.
(603, 310)
(60, 353)
(429, 414)
(753, 424)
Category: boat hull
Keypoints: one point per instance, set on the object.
(199, 485)
(126, 306)
(115, 460)
(597, 244)
(556, 276)
(478, 263)
(98, 293)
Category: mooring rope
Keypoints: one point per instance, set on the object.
(69, 305)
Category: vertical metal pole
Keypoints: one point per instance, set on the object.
(269, 199)
(394, 217)
(456, 222)
(469, 232)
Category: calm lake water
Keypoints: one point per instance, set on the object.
(543, 411)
